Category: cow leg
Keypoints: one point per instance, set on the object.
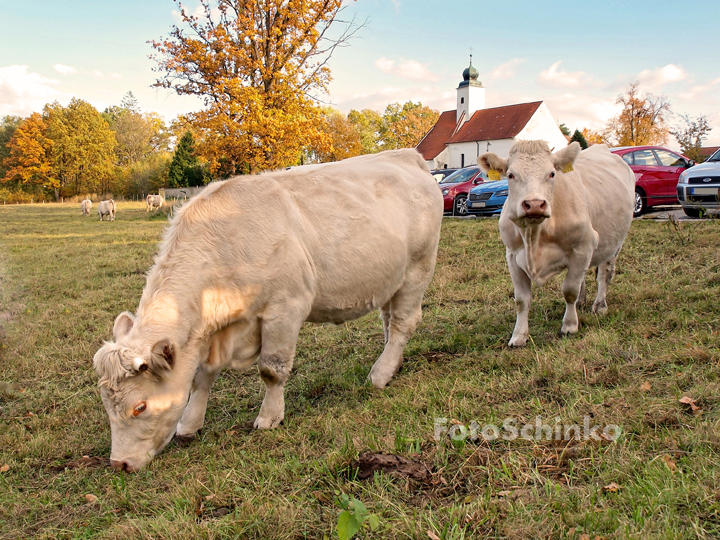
(279, 337)
(571, 286)
(385, 317)
(606, 271)
(582, 297)
(405, 315)
(523, 298)
(194, 413)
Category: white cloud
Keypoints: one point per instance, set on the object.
(22, 93)
(115, 76)
(579, 111)
(396, 4)
(699, 91)
(556, 78)
(65, 70)
(409, 69)
(379, 99)
(661, 76)
(506, 70)
(97, 73)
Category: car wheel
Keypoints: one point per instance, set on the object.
(460, 205)
(691, 212)
(640, 204)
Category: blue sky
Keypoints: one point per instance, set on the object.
(576, 56)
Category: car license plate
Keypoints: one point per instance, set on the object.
(480, 204)
(705, 191)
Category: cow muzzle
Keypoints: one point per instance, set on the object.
(535, 209)
(123, 465)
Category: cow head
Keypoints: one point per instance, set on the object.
(143, 392)
(531, 170)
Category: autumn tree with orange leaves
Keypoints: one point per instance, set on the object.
(29, 149)
(256, 64)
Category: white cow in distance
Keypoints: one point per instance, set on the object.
(555, 220)
(153, 202)
(86, 206)
(107, 208)
(244, 264)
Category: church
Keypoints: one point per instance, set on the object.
(461, 136)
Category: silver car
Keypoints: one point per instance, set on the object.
(698, 187)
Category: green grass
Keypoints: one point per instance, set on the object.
(64, 278)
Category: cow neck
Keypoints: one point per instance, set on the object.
(167, 310)
(532, 236)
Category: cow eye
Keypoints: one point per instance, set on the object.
(552, 174)
(510, 176)
(140, 407)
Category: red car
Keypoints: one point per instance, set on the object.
(455, 188)
(657, 170)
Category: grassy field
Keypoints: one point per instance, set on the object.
(64, 278)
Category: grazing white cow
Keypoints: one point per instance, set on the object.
(107, 208)
(568, 210)
(244, 264)
(153, 202)
(86, 206)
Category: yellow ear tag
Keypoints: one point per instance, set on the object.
(567, 168)
(493, 174)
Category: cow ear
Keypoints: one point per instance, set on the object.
(123, 324)
(163, 354)
(563, 159)
(492, 162)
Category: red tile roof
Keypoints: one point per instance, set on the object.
(496, 123)
(707, 151)
(434, 142)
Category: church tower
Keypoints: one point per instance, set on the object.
(470, 94)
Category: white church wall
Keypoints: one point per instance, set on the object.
(474, 149)
(542, 126)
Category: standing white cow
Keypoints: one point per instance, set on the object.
(153, 202)
(244, 264)
(568, 210)
(107, 208)
(86, 206)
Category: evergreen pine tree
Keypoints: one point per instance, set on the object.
(579, 137)
(185, 169)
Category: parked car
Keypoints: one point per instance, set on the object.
(487, 198)
(697, 188)
(441, 174)
(657, 171)
(455, 188)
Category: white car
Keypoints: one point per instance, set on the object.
(698, 187)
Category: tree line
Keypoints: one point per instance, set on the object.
(76, 150)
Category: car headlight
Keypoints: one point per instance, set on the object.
(502, 193)
(683, 177)
(445, 192)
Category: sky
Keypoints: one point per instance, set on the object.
(576, 56)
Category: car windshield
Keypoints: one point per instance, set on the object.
(463, 175)
(715, 156)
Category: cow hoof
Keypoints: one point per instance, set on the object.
(379, 380)
(267, 423)
(184, 440)
(518, 342)
(600, 309)
(567, 330)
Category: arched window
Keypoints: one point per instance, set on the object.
(462, 100)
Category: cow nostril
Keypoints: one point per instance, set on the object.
(120, 466)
